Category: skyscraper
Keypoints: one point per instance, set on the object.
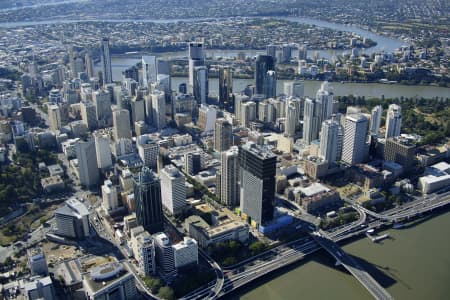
(87, 163)
(375, 120)
(229, 189)
(355, 147)
(294, 89)
(257, 177)
(324, 100)
(329, 141)
(225, 87)
(292, 118)
(311, 121)
(149, 70)
(102, 102)
(103, 150)
(173, 190)
(201, 89)
(54, 117)
(147, 195)
(271, 50)
(263, 64)
(89, 114)
(148, 151)
(393, 121)
(106, 61)
(270, 85)
(89, 65)
(196, 59)
(222, 135)
(121, 121)
(158, 109)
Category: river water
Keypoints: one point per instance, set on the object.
(369, 90)
(414, 264)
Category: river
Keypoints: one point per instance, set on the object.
(369, 90)
(414, 264)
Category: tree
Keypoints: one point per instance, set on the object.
(256, 248)
(166, 293)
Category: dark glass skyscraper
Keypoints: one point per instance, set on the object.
(257, 177)
(225, 87)
(264, 63)
(106, 61)
(147, 194)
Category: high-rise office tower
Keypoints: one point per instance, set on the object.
(271, 50)
(77, 66)
(145, 253)
(393, 121)
(238, 101)
(324, 100)
(302, 52)
(106, 61)
(109, 196)
(229, 189)
(162, 67)
(257, 178)
(196, 59)
(192, 163)
(270, 86)
(89, 65)
(137, 110)
(158, 109)
(149, 70)
(103, 150)
(173, 190)
(355, 135)
(148, 151)
(292, 118)
(248, 110)
(311, 117)
(294, 89)
(164, 254)
(222, 135)
(89, 114)
(102, 102)
(375, 120)
(263, 64)
(121, 121)
(87, 163)
(286, 53)
(329, 140)
(225, 87)
(201, 89)
(54, 117)
(147, 195)
(207, 118)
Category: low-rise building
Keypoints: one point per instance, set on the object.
(40, 288)
(316, 196)
(52, 184)
(37, 261)
(436, 177)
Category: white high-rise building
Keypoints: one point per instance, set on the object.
(122, 127)
(158, 109)
(87, 163)
(89, 114)
(185, 253)
(324, 100)
(72, 219)
(375, 119)
(393, 121)
(173, 190)
(54, 117)
(329, 141)
(311, 117)
(207, 118)
(248, 110)
(148, 151)
(238, 101)
(355, 147)
(106, 61)
(102, 150)
(37, 261)
(292, 118)
(164, 253)
(109, 196)
(294, 89)
(149, 72)
(229, 189)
